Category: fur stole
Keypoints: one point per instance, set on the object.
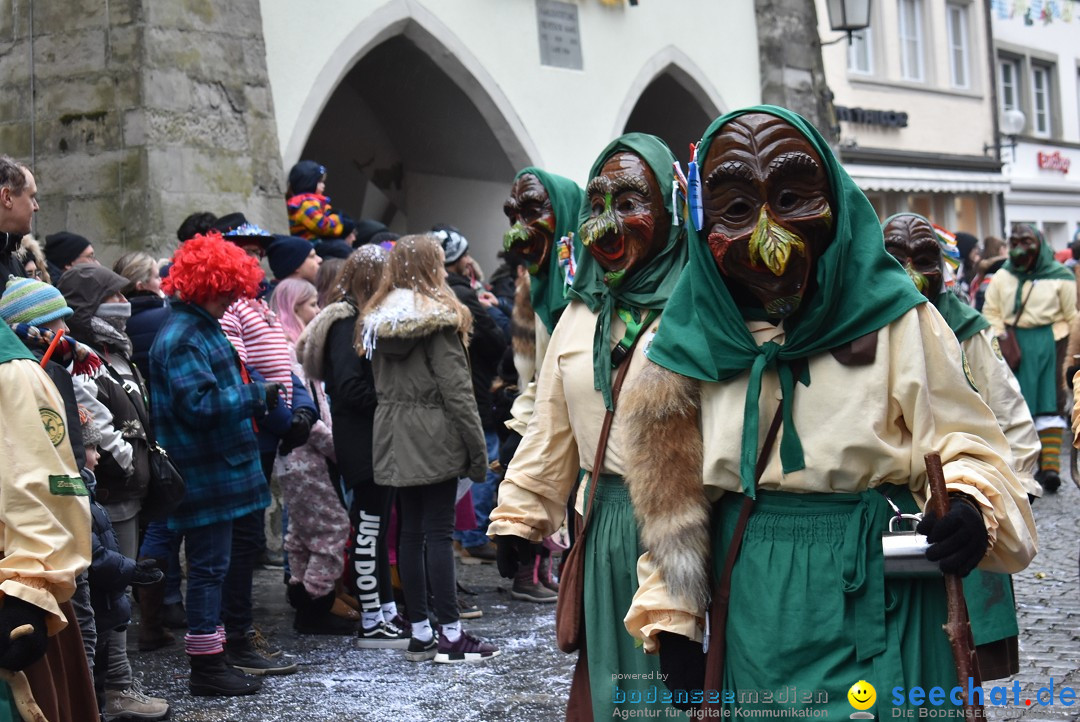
(664, 476)
(523, 331)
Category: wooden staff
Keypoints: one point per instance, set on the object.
(20, 686)
(957, 627)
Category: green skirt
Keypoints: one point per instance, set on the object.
(991, 606)
(621, 675)
(8, 711)
(811, 610)
(1038, 369)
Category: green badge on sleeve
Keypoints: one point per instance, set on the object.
(67, 486)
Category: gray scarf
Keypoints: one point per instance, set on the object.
(109, 326)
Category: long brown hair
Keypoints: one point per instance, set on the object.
(356, 282)
(416, 264)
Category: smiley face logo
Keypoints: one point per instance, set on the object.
(862, 695)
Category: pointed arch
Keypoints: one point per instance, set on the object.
(673, 70)
(429, 34)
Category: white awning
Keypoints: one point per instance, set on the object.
(924, 180)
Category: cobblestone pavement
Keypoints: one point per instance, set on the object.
(1048, 608)
(530, 681)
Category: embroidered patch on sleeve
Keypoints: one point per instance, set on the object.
(994, 344)
(967, 372)
(61, 485)
(54, 425)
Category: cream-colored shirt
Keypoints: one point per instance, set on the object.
(862, 426)
(1000, 390)
(44, 520)
(1052, 303)
(528, 375)
(564, 430)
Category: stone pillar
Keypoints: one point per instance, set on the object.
(135, 113)
(792, 72)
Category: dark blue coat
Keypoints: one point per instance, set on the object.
(148, 313)
(110, 573)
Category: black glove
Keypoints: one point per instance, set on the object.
(18, 654)
(273, 394)
(958, 541)
(147, 572)
(1069, 373)
(511, 552)
(682, 662)
(299, 430)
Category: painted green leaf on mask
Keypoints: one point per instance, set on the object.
(772, 244)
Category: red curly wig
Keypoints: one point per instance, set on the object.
(207, 267)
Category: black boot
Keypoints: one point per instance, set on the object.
(211, 677)
(152, 632)
(313, 615)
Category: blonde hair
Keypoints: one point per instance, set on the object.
(137, 267)
(416, 264)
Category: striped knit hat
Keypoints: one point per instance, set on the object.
(29, 301)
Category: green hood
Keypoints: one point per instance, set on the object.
(1046, 268)
(860, 288)
(548, 287)
(648, 287)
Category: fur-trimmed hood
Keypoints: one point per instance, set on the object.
(311, 346)
(408, 316)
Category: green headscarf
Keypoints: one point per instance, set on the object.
(1046, 268)
(648, 287)
(964, 320)
(860, 288)
(548, 287)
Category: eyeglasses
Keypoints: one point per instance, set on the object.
(37, 273)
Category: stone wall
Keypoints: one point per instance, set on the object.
(792, 72)
(143, 112)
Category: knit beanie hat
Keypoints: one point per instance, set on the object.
(90, 434)
(454, 244)
(366, 228)
(62, 248)
(27, 300)
(286, 254)
(964, 243)
(304, 177)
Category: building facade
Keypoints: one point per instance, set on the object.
(423, 110)
(913, 96)
(1037, 62)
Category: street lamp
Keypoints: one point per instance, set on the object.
(1012, 124)
(848, 16)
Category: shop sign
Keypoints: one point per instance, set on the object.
(1054, 161)
(866, 116)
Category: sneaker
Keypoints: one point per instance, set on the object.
(418, 651)
(468, 611)
(263, 646)
(466, 649)
(133, 703)
(241, 653)
(383, 636)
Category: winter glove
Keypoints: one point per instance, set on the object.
(958, 541)
(299, 430)
(18, 654)
(273, 394)
(147, 572)
(1069, 373)
(511, 552)
(682, 662)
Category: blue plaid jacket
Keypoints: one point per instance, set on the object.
(203, 415)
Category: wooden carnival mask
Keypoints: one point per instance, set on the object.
(628, 223)
(911, 240)
(532, 222)
(767, 209)
(1024, 247)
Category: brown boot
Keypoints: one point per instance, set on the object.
(152, 632)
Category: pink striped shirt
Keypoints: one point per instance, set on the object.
(256, 333)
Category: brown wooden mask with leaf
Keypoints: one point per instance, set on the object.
(768, 211)
(911, 240)
(532, 222)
